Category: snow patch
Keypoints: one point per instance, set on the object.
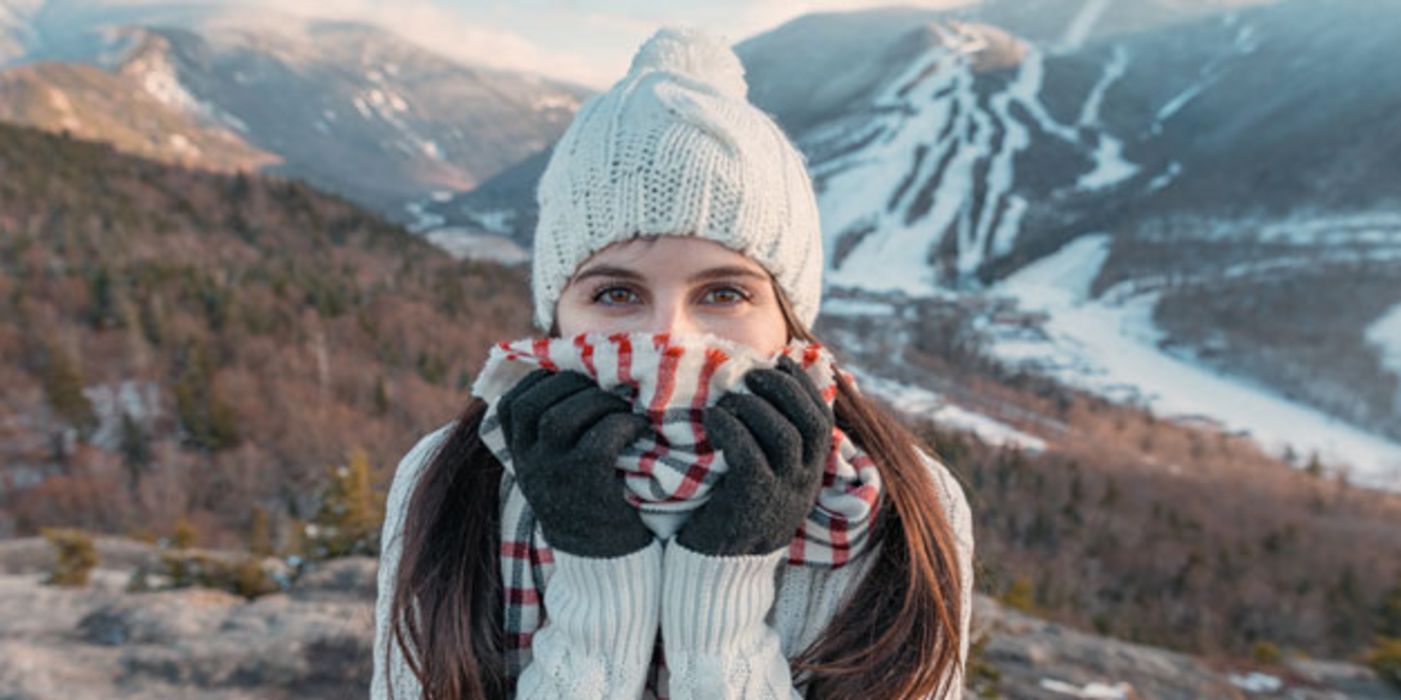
(1372, 228)
(1115, 69)
(161, 80)
(1027, 87)
(917, 401)
(1385, 335)
(559, 100)
(1174, 105)
(1082, 24)
(1110, 346)
(1090, 691)
(423, 219)
(856, 307)
(463, 244)
(232, 121)
(1256, 682)
(361, 107)
(1110, 165)
(139, 402)
(1166, 177)
(59, 101)
(183, 145)
(498, 221)
(1247, 39)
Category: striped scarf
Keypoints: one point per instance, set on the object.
(669, 471)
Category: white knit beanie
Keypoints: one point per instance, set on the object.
(676, 148)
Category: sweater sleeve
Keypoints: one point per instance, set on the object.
(601, 621)
(718, 644)
(600, 628)
(396, 673)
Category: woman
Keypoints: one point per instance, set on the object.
(671, 206)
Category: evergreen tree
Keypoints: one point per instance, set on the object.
(63, 387)
(259, 532)
(1389, 612)
(135, 448)
(351, 512)
(74, 556)
(209, 423)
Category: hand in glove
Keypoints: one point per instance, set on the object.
(565, 433)
(776, 442)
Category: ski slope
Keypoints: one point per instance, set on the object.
(1111, 348)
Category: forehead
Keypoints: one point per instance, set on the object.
(672, 254)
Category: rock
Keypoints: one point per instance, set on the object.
(351, 576)
(33, 555)
(158, 618)
(1036, 659)
(101, 641)
(315, 641)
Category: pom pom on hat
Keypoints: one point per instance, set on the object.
(696, 53)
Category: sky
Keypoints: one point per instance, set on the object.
(587, 42)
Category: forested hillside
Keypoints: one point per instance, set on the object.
(186, 345)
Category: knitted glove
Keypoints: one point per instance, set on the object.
(776, 442)
(565, 434)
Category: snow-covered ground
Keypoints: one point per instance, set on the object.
(461, 243)
(1385, 334)
(1111, 348)
(931, 142)
(922, 402)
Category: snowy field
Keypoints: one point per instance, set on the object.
(1111, 349)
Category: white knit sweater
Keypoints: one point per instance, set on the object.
(728, 624)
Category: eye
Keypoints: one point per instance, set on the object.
(610, 295)
(728, 295)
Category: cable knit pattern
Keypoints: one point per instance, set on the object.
(602, 624)
(714, 650)
(718, 643)
(675, 148)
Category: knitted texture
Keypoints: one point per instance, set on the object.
(675, 148)
(670, 470)
(805, 601)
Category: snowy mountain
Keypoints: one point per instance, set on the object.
(88, 30)
(139, 108)
(1232, 162)
(351, 108)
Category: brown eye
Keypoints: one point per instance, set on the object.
(612, 295)
(728, 295)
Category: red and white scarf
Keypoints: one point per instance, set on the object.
(670, 470)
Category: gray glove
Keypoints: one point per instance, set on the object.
(565, 433)
(776, 442)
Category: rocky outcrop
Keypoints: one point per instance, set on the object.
(1028, 657)
(314, 640)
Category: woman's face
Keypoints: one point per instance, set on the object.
(680, 284)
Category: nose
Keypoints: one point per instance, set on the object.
(673, 316)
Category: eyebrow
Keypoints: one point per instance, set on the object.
(706, 274)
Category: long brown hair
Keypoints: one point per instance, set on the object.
(897, 636)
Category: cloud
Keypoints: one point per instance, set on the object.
(447, 32)
(763, 15)
(587, 44)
